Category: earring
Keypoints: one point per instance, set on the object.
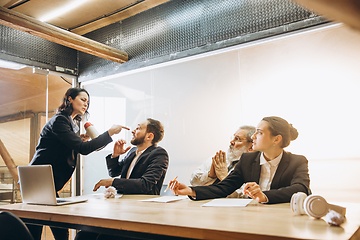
(274, 144)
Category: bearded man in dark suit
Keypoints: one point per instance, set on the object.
(144, 167)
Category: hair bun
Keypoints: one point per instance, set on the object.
(293, 132)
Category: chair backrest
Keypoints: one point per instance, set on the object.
(11, 227)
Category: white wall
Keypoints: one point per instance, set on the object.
(312, 80)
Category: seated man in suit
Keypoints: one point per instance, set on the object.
(217, 168)
(142, 170)
(144, 167)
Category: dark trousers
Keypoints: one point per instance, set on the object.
(59, 233)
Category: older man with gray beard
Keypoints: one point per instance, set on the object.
(217, 168)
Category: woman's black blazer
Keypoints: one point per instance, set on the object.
(59, 146)
(291, 176)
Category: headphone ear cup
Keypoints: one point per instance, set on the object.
(297, 203)
(316, 206)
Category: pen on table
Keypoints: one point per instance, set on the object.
(169, 185)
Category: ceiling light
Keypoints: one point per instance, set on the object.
(62, 10)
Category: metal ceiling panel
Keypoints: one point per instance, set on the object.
(31, 50)
(187, 27)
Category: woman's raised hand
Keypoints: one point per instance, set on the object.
(84, 137)
(115, 129)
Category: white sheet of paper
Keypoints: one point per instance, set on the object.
(164, 199)
(228, 202)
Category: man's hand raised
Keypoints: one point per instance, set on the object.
(220, 165)
(119, 148)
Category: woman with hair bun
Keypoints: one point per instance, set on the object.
(270, 174)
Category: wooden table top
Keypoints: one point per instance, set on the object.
(186, 218)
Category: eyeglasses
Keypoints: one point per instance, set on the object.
(237, 139)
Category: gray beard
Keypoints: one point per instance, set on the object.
(234, 154)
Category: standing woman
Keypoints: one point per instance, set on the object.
(271, 174)
(59, 145)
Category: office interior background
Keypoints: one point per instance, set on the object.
(203, 69)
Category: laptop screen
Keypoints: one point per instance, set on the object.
(37, 184)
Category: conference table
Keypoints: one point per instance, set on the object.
(128, 216)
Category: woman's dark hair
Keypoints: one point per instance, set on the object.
(155, 127)
(66, 106)
(279, 126)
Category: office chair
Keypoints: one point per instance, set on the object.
(11, 227)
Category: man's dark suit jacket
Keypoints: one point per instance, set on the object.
(59, 146)
(147, 175)
(290, 177)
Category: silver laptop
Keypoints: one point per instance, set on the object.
(37, 186)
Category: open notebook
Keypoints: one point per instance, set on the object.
(37, 186)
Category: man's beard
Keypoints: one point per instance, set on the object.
(235, 154)
(138, 141)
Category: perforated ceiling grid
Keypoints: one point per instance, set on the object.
(180, 25)
(34, 50)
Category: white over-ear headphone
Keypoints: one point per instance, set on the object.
(314, 205)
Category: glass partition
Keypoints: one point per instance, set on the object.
(193, 100)
(25, 99)
(310, 79)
